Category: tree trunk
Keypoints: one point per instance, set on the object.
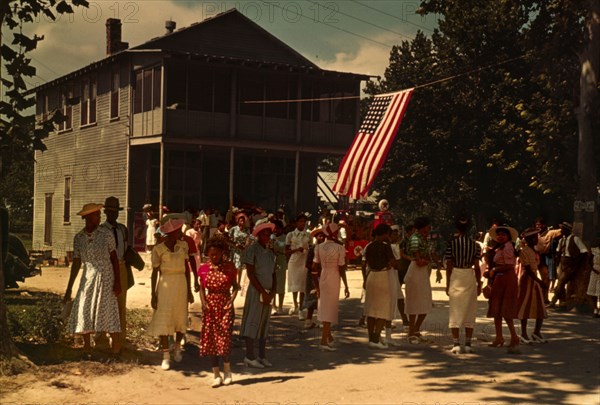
(585, 216)
(11, 360)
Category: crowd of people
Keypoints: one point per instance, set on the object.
(264, 256)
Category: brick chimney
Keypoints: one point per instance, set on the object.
(113, 37)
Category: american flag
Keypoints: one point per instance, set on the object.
(371, 144)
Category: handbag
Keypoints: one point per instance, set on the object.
(487, 291)
(133, 258)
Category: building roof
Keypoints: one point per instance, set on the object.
(228, 37)
(229, 34)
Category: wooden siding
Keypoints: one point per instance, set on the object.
(94, 156)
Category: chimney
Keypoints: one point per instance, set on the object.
(170, 26)
(113, 37)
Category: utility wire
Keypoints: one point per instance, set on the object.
(393, 16)
(359, 19)
(420, 86)
(329, 25)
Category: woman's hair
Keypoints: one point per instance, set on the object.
(382, 229)
(463, 224)
(422, 222)
(217, 243)
(301, 216)
(278, 224)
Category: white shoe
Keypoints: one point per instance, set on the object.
(293, 310)
(217, 382)
(166, 363)
(456, 349)
(380, 345)
(302, 315)
(469, 349)
(265, 362)
(309, 324)
(228, 379)
(391, 342)
(252, 363)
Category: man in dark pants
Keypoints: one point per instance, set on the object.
(572, 261)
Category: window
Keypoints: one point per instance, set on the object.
(88, 101)
(48, 220)
(175, 78)
(201, 88)
(67, 200)
(114, 94)
(147, 90)
(251, 88)
(66, 109)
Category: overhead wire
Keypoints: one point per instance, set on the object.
(393, 16)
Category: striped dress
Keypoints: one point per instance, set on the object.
(531, 297)
(255, 320)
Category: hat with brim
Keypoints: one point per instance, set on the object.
(239, 214)
(567, 226)
(175, 215)
(89, 208)
(331, 229)
(258, 229)
(395, 228)
(529, 232)
(513, 232)
(316, 232)
(147, 207)
(171, 225)
(112, 204)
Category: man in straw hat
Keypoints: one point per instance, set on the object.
(573, 257)
(119, 231)
(95, 308)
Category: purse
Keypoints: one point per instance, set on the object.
(133, 258)
(487, 291)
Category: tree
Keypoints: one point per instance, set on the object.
(19, 133)
(498, 139)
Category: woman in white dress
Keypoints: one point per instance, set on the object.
(594, 285)
(95, 308)
(331, 257)
(172, 292)
(296, 247)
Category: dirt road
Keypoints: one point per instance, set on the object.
(564, 371)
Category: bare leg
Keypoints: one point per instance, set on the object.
(116, 342)
(419, 322)
(326, 333)
(514, 338)
(371, 329)
(524, 329)
(379, 324)
(402, 314)
(87, 342)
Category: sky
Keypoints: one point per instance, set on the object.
(350, 36)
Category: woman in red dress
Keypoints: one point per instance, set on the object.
(217, 293)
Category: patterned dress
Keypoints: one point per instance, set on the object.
(419, 297)
(95, 308)
(215, 339)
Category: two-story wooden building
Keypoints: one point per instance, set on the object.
(168, 123)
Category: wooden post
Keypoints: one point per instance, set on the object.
(161, 180)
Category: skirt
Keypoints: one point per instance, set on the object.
(296, 275)
(418, 298)
(463, 298)
(531, 300)
(594, 285)
(171, 314)
(256, 316)
(378, 296)
(503, 301)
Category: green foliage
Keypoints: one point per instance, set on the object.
(18, 129)
(34, 319)
(494, 142)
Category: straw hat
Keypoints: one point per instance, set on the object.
(89, 208)
(171, 225)
(567, 226)
(529, 232)
(513, 232)
(316, 231)
(112, 204)
(258, 229)
(147, 207)
(239, 214)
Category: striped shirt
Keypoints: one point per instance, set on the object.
(463, 250)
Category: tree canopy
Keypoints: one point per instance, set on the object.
(498, 139)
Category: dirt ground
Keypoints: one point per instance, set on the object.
(564, 371)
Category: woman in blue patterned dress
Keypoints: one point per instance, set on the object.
(95, 308)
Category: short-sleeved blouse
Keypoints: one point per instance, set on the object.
(417, 244)
(378, 255)
(170, 261)
(505, 255)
